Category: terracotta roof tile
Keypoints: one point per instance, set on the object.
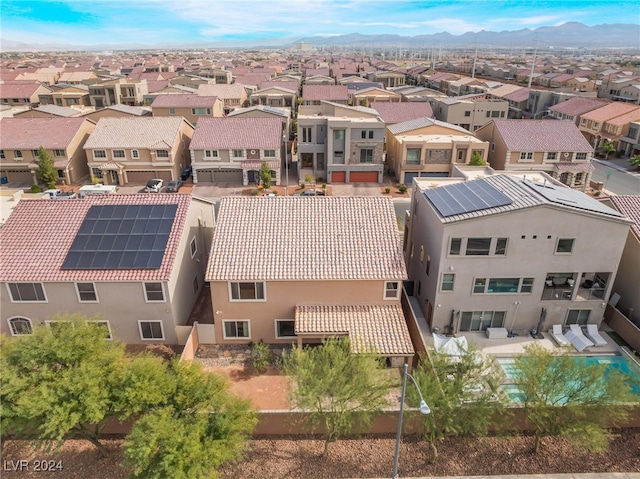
(325, 92)
(134, 132)
(38, 234)
(629, 205)
(395, 112)
(31, 133)
(542, 135)
(296, 238)
(577, 105)
(611, 110)
(237, 132)
(169, 100)
(379, 327)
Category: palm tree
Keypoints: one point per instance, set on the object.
(608, 148)
(635, 161)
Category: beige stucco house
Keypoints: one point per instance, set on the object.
(332, 266)
(121, 90)
(190, 107)
(137, 261)
(130, 150)
(470, 112)
(508, 252)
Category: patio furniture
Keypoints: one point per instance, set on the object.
(593, 334)
(577, 338)
(556, 334)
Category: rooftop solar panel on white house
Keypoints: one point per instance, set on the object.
(466, 197)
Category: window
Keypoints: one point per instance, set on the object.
(285, 329)
(269, 153)
(237, 153)
(501, 246)
(478, 246)
(552, 156)
(479, 285)
(118, 153)
(467, 113)
(579, 178)
(211, 153)
(338, 134)
(502, 285)
(150, 330)
(250, 291)
(526, 156)
(58, 326)
(2, 154)
(195, 285)
(104, 325)
(391, 290)
(193, 246)
(495, 114)
(201, 111)
(17, 154)
(20, 326)
(97, 154)
(364, 134)
(97, 172)
(454, 248)
(154, 292)
(493, 146)
(172, 111)
(565, 245)
(35, 153)
(135, 154)
(27, 292)
(366, 155)
(428, 265)
(581, 156)
(236, 329)
(371, 134)
(58, 152)
(527, 285)
(163, 154)
(448, 280)
(306, 135)
(577, 316)
(481, 320)
(413, 157)
(86, 292)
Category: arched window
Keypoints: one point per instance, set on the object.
(20, 326)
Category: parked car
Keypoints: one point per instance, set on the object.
(153, 186)
(306, 193)
(174, 186)
(186, 173)
(58, 195)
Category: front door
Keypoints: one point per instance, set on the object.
(113, 178)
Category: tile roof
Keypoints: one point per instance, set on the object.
(626, 118)
(392, 112)
(57, 224)
(325, 92)
(518, 95)
(57, 110)
(296, 238)
(237, 132)
(31, 133)
(574, 166)
(131, 110)
(609, 111)
(418, 123)
(263, 108)
(540, 135)
(577, 105)
(379, 327)
(170, 100)
(288, 85)
(19, 89)
(151, 133)
(222, 91)
(629, 205)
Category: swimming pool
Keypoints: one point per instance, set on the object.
(611, 363)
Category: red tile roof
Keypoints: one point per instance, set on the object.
(577, 105)
(540, 135)
(18, 89)
(629, 205)
(31, 133)
(395, 112)
(325, 92)
(237, 132)
(183, 101)
(38, 234)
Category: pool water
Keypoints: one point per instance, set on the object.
(612, 363)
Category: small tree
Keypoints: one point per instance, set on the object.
(569, 397)
(46, 172)
(340, 389)
(477, 160)
(635, 161)
(462, 392)
(608, 148)
(265, 175)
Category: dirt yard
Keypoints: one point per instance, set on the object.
(365, 457)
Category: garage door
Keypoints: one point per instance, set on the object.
(17, 176)
(204, 176)
(139, 176)
(338, 177)
(408, 177)
(363, 177)
(227, 176)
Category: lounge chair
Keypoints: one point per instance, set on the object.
(593, 334)
(577, 338)
(556, 334)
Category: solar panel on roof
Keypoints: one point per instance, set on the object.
(122, 237)
(466, 198)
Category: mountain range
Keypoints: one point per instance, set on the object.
(567, 35)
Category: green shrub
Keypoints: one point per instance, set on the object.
(402, 188)
(35, 189)
(387, 191)
(260, 356)
(302, 185)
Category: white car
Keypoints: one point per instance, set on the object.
(153, 186)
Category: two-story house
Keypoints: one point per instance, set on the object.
(134, 263)
(232, 149)
(555, 147)
(470, 111)
(120, 90)
(297, 270)
(574, 107)
(19, 93)
(506, 252)
(232, 96)
(135, 150)
(425, 147)
(316, 94)
(62, 138)
(392, 112)
(592, 123)
(190, 107)
(629, 144)
(275, 95)
(340, 143)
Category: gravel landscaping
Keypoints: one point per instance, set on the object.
(367, 457)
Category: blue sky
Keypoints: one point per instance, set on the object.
(153, 22)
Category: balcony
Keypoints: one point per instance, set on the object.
(593, 287)
(559, 287)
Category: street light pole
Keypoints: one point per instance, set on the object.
(424, 409)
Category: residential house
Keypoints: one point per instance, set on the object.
(340, 143)
(506, 252)
(387, 78)
(232, 96)
(260, 111)
(469, 112)
(366, 96)
(615, 129)
(392, 112)
(17, 93)
(117, 111)
(574, 107)
(629, 144)
(62, 137)
(77, 77)
(332, 266)
(518, 101)
(621, 88)
(82, 259)
(555, 147)
(592, 123)
(319, 80)
(425, 147)
(48, 111)
(232, 149)
(120, 90)
(66, 95)
(284, 95)
(191, 107)
(135, 150)
(316, 94)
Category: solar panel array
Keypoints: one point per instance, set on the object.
(121, 237)
(466, 198)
